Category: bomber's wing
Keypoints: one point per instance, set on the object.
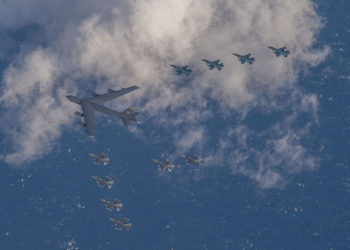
(88, 113)
(111, 95)
(105, 110)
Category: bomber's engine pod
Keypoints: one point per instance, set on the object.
(78, 114)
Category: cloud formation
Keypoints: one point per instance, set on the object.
(133, 42)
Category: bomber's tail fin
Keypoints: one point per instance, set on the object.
(129, 115)
(81, 124)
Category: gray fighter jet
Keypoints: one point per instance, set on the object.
(166, 165)
(92, 104)
(280, 51)
(192, 160)
(104, 182)
(120, 225)
(214, 64)
(182, 69)
(245, 58)
(100, 159)
(113, 204)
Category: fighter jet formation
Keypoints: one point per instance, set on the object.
(214, 64)
(104, 182)
(217, 64)
(117, 205)
(280, 51)
(110, 204)
(168, 166)
(92, 104)
(100, 159)
(182, 69)
(245, 58)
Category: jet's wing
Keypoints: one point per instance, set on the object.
(88, 113)
(112, 95)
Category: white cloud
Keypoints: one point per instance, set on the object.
(35, 111)
(133, 42)
(191, 138)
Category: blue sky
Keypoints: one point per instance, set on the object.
(273, 135)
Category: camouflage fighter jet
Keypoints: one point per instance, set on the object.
(214, 64)
(113, 204)
(121, 225)
(192, 160)
(245, 58)
(100, 159)
(166, 165)
(104, 182)
(182, 69)
(280, 51)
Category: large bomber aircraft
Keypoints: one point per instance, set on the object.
(280, 51)
(245, 58)
(214, 64)
(92, 104)
(182, 69)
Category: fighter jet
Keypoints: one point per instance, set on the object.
(245, 58)
(166, 165)
(182, 69)
(113, 204)
(100, 159)
(280, 51)
(92, 104)
(214, 64)
(104, 182)
(120, 225)
(192, 160)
